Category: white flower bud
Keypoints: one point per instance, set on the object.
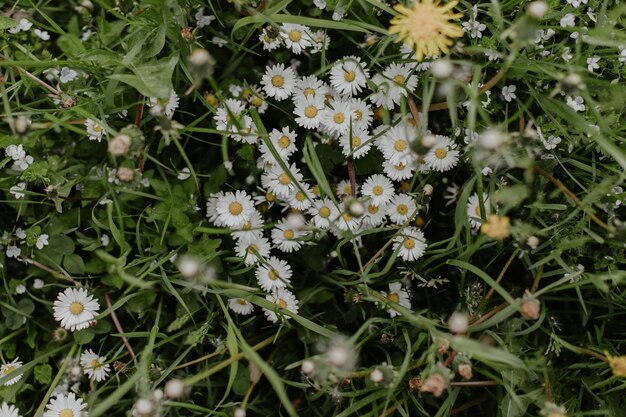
(199, 58)
(429, 141)
(356, 208)
(240, 412)
(295, 221)
(119, 145)
(491, 139)
(22, 124)
(143, 406)
(377, 376)
(458, 322)
(442, 68)
(532, 241)
(175, 388)
(308, 366)
(537, 9)
(125, 174)
(428, 189)
(188, 266)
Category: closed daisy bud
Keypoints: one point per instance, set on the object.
(175, 388)
(531, 307)
(428, 189)
(355, 208)
(491, 139)
(377, 376)
(59, 334)
(143, 407)
(119, 145)
(428, 141)
(308, 367)
(571, 83)
(125, 174)
(532, 242)
(22, 124)
(537, 9)
(239, 412)
(618, 364)
(199, 58)
(415, 384)
(458, 322)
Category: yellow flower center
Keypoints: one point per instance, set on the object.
(9, 369)
(76, 308)
(356, 141)
(324, 212)
(281, 303)
(269, 197)
(295, 35)
(441, 153)
(357, 115)
(300, 196)
(247, 226)
(271, 274)
(252, 248)
(97, 128)
(409, 243)
(310, 111)
(400, 145)
(309, 92)
(235, 208)
(372, 209)
(288, 234)
(284, 179)
(402, 209)
(477, 211)
(316, 190)
(339, 118)
(95, 364)
(377, 190)
(284, 142)
(241, 301)
(349, 76)
(399, 79)
(346, 217)
(394, 297)
(66, 413)
(256, 101)
(278, 81)
(399, 167)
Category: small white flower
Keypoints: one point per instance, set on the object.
(568, 20)
(219, 41)
(473, 210)
(21, 234)
(42, 34)
(241, 306)
(592, 63)
(201, 19)
(94, 130)
(16, 190)
(348, 76)
(16, 152)
(38, 284)
(443, 156)
(324, 213)
(284, 300)
(508, 92)
(551, 142)
(296, 37)
(42, 241)
(398, 295)
(13, 251)
(67, 75)
(66, 406)
(184, 174)
(356, 142)
(321, 4)
(474, 27)
(278, 81)
(401, 208)
(287, 238)
(411, 244)
(309, 111)
(23, 25)
(75, 309)
(252, 248)
(104, 239)
(395, 144)
(235, 209)
(577, 3)
(379, 189)
(576, 103)
(269, 43)
(273, 274)
(566, 55)
(20, 289)
(10, 367)
(321, 41)
(94, 366)
(165, 107)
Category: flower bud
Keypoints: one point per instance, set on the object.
(308, 366)
(458, 322)
(175, 388)
(125, 174)
(199, 58)
(531, 307)
(465, 370)
(428, 189)
(435, 384)
(119, 145)
(442, 68)
(22, 124)
(537, 9)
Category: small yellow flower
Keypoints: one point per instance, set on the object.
(618, 364)
(426, 27)
(497, 227)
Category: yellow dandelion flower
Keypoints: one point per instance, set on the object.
(497, 227)
(618, 364)
(426, 27)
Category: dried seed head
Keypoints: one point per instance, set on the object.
(125, 174)
(435, 384)
(415, 384)
(119, 145)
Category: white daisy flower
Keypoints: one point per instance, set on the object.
(302, 198)
(443, 156)
(235, 209)
(278, 82)
(273, 274)
(346, 222)
(94, 366)
(309, 86)
(309, 111)
(379, 189)
(253, 227)
(247, 132)
(344, 189)
(362, 113)
(94, 130)
(395, 144)
(284, 300)
(396, 82)
(349, 76)
(324, 212)
(10, 367)
(184, 174)
(269, 43)
(66, 406)
(166, 106)
(228, 116)
(281, 183)
(7, 410)
(401, 208)
(211, 209)
(287, 238)
(240, 306)
(296, 37)
(551, 142)
(398, 295)
(374, 215)
(284, 142)
(252, 247)
(411, 242)
(75, 309)
(338, 117)
(320, 40)
(473, 210)
(356, 142)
